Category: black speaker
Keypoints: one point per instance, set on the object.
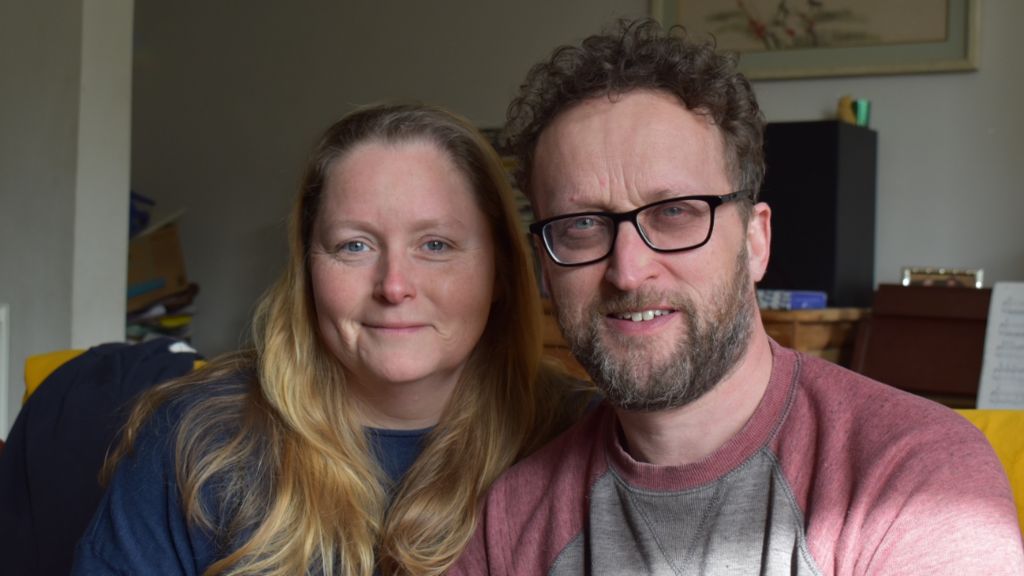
(820, 184)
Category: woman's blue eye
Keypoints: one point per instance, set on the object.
(435, 245)
(354, 246)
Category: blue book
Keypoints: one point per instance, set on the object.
(791, 299)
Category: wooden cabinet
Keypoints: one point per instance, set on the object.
(828, 333)
(928, 340)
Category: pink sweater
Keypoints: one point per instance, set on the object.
(833, 474)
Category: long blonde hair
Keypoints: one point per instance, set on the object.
(274, 436)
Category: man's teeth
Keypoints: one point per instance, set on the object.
(641, 316)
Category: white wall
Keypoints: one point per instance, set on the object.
(39, 65)
(56, 156)
(229, 96)
(950, 151)
(102, 178)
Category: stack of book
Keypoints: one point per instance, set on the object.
(169, 316)
(791, 299)
(160, 296)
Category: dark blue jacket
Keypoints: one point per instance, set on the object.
(49, 487)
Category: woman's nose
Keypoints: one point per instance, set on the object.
(395, 283)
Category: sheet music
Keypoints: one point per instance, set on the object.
(1002, 368)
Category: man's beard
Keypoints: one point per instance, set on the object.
(716, 338)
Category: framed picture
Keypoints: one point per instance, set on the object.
(816, 38)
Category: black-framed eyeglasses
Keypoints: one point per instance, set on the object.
(671, 225)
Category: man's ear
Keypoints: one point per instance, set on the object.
(759, 240)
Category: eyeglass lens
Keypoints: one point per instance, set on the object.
(671, 225)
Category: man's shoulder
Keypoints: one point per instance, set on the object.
(878, 432)
(847, 396)
(890, 470)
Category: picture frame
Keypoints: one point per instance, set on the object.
(955, 50)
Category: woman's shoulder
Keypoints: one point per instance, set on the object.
(200, 411)
(222, 390)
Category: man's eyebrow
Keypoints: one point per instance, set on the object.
(647, 198)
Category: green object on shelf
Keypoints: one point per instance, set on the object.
(862, 110)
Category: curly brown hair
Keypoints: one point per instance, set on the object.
(641, 55)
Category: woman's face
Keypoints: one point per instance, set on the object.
(402, 267)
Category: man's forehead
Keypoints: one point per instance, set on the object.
(629, 123)
(635, 136)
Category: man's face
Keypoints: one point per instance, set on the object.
(654, 330)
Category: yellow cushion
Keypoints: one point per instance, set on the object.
(39, 366)
(1005, 432)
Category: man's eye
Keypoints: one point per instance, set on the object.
(679, 210)
(582, 223)
(579, 227)
(676, 213)
(672, 210)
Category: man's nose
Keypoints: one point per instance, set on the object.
(632, 261)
